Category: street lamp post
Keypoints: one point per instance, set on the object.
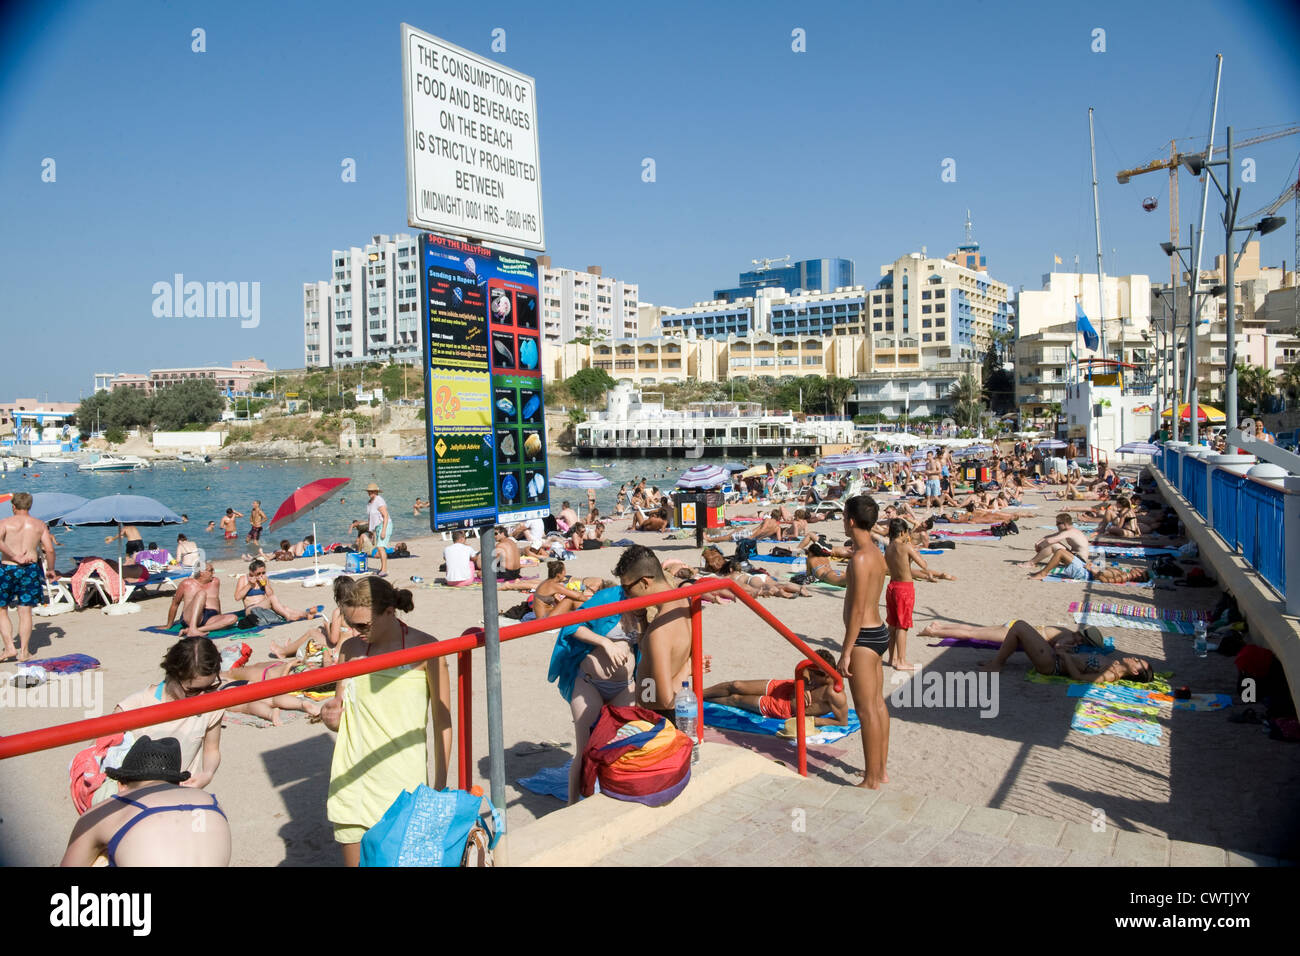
(1192, 405)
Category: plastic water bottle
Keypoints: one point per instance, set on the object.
(416, 579)
(686, 708)
(1101, 560)
(1201, 644)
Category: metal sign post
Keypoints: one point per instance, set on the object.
(492, 657)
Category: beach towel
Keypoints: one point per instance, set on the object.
(230, 632)
(568, 652)
(1159, 682)
(293, 574)
(1093, 717)
(1143, 697)
(938, 532)
(779, 558)
(1119, 551)
(996, 645)
(549, 782)
(101, 569)
(1142, 611)
(1203, 703)
(733, 718)
(1137, 624)
(67, 664)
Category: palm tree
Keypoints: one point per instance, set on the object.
(1289, 382)
(965, 398)
(837, 390)
(1253, 383)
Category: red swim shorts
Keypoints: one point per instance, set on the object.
(900, 599)
(779, 699)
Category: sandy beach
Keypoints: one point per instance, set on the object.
(1209, 781)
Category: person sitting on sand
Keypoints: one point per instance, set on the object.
(268, 708)
(1067, 536)
(307, 547)
(656, 521)
(154, 819)
(1076, 569)
(187, 552)
(285, 551)
(665, 631)
(554, 596)
(260, 603)
(1054, 663)
(759, 584)
(775, 698)
(506, 553)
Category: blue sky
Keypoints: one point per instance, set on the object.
(224, 165)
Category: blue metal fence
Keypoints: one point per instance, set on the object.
(1224, 490)
(1261, 531)
(1194, 484)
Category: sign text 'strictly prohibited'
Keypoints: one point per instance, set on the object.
(471, 144)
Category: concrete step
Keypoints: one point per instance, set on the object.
(742, 809)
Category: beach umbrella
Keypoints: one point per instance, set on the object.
(1050, 444)
(1138, 448)
(52, 505)
(119, 510)
(792, 470)
(1204, 413)
(704, 476)
(850, 460)
(890, 457)
(303, 500)
(579, 478)
(736, 466)
(757, 471)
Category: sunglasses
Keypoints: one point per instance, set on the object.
(360, 627)
(196, 691)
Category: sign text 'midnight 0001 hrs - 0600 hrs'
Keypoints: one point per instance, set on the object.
(484, 403)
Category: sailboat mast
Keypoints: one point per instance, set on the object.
(1096, 218)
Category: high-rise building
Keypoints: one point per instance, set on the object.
(369, 310)
(574, 302)
(806, 275)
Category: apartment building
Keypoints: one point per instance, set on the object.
(369, 310)
(574, 301)
(317, 324)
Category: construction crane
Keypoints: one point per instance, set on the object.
(766, 263)
(1172, 163)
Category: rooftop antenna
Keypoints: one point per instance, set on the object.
(970, 232)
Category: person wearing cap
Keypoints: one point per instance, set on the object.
(379, 524)
(152, 820)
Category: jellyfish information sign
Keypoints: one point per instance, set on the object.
(484, 412)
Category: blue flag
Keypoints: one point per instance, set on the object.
(1090, 338)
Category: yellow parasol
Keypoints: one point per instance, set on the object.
(756, 472)
(1204, 413)
(793, 470)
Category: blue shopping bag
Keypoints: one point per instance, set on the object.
(427, 827)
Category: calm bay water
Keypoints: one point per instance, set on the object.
(204, 492)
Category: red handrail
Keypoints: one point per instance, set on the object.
(82, 731)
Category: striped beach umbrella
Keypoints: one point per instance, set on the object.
(1138, 448)
(579, 478)
(704, 476)
(1050, 444)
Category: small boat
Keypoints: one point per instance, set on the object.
(192, 459)
(57, 460)
(110, 463)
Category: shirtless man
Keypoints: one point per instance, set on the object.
(768, 527)
(933, 472)
(22, 539)
(154, 820)
(1067, 536)
(775, 698)
(228, 523)
(134, 542)
(866, 638)
(1077, 569)
(256, 518)
(203, 606)
(665, 643)
(655, 521)
(567, 515)
(507, 551)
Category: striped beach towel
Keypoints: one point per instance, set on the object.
(1143, 611)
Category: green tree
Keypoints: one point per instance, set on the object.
(586, 335)
(1253, 384)
(589, 385)
(195, 400)
(90, 413)
(965, 398)
(114, 435)
(837, 392)
(1289, 383)
(126, 407)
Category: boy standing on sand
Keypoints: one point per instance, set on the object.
(900, 595)
(865, 637)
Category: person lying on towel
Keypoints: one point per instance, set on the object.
(775, 698)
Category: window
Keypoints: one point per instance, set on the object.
(925, 310)
(940, 307)
(925, 293)
(925, 337)
(876, 327)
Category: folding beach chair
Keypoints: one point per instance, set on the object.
(59, 599)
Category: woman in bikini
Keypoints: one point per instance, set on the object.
(555, 596)
(759, 585)
(1051, 662)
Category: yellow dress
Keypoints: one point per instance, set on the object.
(382, 746)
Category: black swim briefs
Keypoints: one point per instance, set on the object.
(874, 638)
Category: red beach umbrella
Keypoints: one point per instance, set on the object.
(309, 496)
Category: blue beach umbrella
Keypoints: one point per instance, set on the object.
(1138, 448)
(117, 510)
(736, 466)
(52, 505)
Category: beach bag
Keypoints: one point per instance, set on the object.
(354, 563)
(637, 756)
(427, 827)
